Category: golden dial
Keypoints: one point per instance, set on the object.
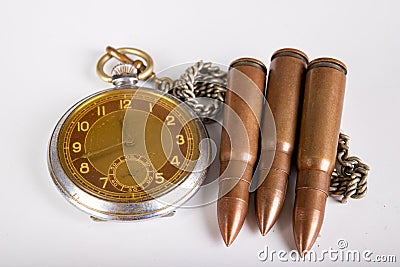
(128, 145)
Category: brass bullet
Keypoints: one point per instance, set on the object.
(320, 126)
(239, 143)
(284, 89)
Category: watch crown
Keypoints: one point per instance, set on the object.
(124, 75)
(124, 70)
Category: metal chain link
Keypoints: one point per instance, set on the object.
(349, 179)
(200, 81)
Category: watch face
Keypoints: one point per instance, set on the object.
(128, 145)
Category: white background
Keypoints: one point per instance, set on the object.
(48, 54)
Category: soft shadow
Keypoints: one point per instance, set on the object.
(284, 222)
(210, 210)
(251, 219)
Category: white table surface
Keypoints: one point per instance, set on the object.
(48, 54)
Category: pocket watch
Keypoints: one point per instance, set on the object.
(128, 152)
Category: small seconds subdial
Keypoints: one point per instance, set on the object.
(131, 173)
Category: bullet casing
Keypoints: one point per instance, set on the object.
(239, 142)
(284, 90)
(320, 126)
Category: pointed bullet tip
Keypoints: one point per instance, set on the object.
(266, 221)
(307, 219)
(304, 247)
(265, 227)
(229, 237)
(231, 215)
(263, 233)
(303, 253)
(228, 242)
(269, 204)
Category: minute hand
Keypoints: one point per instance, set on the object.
(100, 151)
